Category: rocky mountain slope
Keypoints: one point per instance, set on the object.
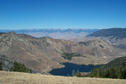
(44, 54)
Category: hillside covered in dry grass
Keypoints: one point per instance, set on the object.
(26, 78)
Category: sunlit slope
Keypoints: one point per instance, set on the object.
(26, 78)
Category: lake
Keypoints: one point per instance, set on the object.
(71, 69)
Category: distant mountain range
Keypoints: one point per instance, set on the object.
(51, 30)
(67, 34)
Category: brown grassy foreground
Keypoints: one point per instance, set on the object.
(26, 78)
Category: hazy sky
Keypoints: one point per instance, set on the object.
(31, 14)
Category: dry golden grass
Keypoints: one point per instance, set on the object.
(26, 78)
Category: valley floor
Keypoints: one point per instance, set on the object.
(26, 78)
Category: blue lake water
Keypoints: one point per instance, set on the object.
(71, 69)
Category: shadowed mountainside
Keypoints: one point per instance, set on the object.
(117, 33)
(117, 36)
(114, 69)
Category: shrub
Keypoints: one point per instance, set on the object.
(20, 68)
(78, 74)
(0, 65)
(69, 56)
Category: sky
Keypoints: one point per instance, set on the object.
(74, 14)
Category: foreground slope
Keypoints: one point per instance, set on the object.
(25, 78)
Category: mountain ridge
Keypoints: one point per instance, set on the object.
(44, 54)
